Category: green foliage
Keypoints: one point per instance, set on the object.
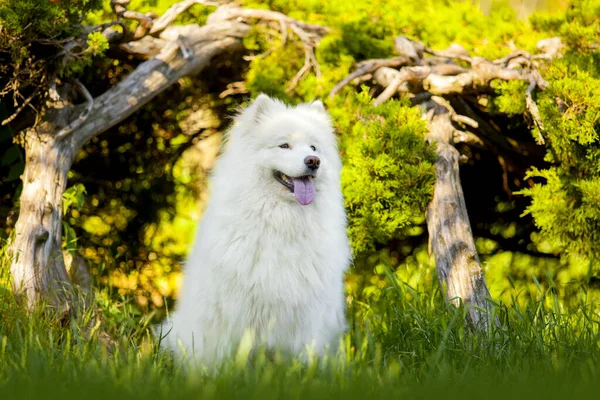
(37, 22)
(74, 197)
(97, 44)
(38, 18)
(266, 76)
(365, 36)
(511, 97)
(566, 212)
(564, 204)
(388, 174)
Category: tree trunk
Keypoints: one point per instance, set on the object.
(38, 268)
(450, 235)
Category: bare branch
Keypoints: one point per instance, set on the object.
(144, 21)
(314, 62)
(464, 120)
(300, 73)
(389, 91)
(162, 22)
(228, 12)
(409, 48)
(447, 69)
(450, 234)
(533, 110)
(448, 54)
(368, 67)
(453, 114)
(83, 116)
(144, 48)
(233, 89)
(21, 108)
(551, 47)
(158, 73)
(467, 137)
(455, 82)
(406, 75)
(283, 27)
(504, 60)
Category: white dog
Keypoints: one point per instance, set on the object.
(271, 249)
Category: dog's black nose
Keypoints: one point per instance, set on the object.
(312, 162)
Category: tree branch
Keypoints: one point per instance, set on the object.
(145, 48)
(161, 23)
(368, 67)
(305, 68)
(144, 21)
(533, 110)
(407, 75)
(228, 12)
(83, 116)
(233, 89)
(158, 73)
(21, 108)
(180, 51)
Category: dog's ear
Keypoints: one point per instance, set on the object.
(260, 106)
(317, 105)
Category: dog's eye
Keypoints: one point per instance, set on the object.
(285, 146)
(313, 148)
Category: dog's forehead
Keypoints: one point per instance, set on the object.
(294, 128)
(296, 133)
(297, 136)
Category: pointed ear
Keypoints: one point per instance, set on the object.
(260, 106)
(317, 105)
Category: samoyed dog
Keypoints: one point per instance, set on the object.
(271, 249)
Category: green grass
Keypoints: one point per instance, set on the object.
(408, 344)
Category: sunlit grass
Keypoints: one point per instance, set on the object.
(410, 345)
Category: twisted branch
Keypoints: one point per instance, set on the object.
(144, 21)
(534, 111)
(21, 108)
(165, 20)
(440, 75)
(83, 116)
(367, 67)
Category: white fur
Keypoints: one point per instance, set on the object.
(263, 262)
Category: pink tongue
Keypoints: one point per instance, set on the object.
(304, 190)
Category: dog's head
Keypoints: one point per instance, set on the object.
(290, 152)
